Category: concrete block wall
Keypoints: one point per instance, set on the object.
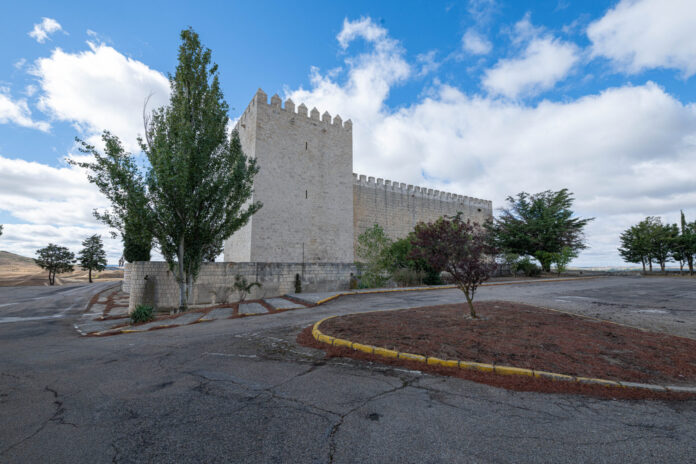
(398, 207)
(125, 284)
(153, 283)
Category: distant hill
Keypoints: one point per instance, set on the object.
(20, 270)
(11, 260)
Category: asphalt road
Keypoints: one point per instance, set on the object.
(243, 391)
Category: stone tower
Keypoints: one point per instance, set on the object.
(305, 183)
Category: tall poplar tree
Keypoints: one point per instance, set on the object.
(195, 190)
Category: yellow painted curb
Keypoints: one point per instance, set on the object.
(509, 370)
(411, 357)
(483, 367)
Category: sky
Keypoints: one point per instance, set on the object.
(485, 98)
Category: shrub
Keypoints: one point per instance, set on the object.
(298, 283)
(243, 287)
(526, 266)
(405, 277)
(142, 313)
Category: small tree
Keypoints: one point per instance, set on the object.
(243, 287)
(56, 260)
(563, 258)
(458, 247)
(92, 257)
(0, 229)
(371, 248)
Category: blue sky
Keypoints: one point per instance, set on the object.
(484, 98)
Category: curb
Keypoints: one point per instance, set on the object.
(440, 287)
(484, 367)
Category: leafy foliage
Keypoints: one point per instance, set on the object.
(406, 270)
(650, 241)
(135, 249)
(56, 260)
(243, 287)
(142, 313)
(370, 250)
(563, 258)
(458, 247)
(298, 283)
(538, 225)
(194, 192)
(527, 267)
(92, 257)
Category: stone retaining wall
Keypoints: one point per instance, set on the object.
(153, 283)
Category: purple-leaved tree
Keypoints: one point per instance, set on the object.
(458, 247)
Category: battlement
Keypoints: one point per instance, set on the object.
(414, 190)
(261, 100)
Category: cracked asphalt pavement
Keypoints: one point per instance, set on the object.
(243, 391)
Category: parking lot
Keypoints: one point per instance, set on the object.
(242, 390)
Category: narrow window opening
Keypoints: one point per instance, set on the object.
(305, 194)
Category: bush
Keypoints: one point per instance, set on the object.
(143, 313)
(405, 277)
(298, 283)
(526, 266)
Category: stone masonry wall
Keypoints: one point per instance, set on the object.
(153, 283)
(398, 207)
(304, 182)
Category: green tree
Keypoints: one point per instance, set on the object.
(563, 258)
(195, 190)
(538, 225)
(56, 260)
(663, 238)
(0, 229)
(92, 257)
(688, 242)
(399, 260)
(371, 250)
(634, 246)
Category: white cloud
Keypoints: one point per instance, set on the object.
(475, 43)
(645, 34)
(44, 29)
(99, 89)
(625, 152)
(56, 205)
(18, 112)
(544, 62)
(19, 64)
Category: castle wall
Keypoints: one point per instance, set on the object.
(398, 207)
(152, 283)
(304, 182)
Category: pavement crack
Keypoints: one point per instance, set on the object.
(342, 417)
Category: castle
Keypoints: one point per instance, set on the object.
(314, 206)
(314, 209)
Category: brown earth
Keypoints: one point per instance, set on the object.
(522, 336)
(16, 270)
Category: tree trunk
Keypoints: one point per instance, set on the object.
(650, 263)
(690, 260)
(662, 266)
(470, 301)
(643, 261)
(182, 278)
(90, 276)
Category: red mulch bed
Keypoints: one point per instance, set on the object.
(522, 336)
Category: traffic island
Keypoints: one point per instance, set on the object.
(519, 347)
